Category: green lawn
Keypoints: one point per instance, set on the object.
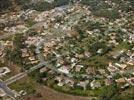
(27, 84)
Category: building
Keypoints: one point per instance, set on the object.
(64, 69)
(2, 93)
(4, 71)
(120, 80)
(95, 84)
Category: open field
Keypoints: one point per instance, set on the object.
(40, 92)
(50, 94)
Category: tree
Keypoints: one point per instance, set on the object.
(18, 41)
(108, 92)
(22, 2)
(14, 56)
(5, 4)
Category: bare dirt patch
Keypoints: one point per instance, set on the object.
(45, 93)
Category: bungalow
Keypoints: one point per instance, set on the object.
(8, 44)
(89, 32)
(100, 51)
(95, 84)
(31, 58)
(1, 51)
(102, 71)
(60, 61)
(42, 16)
(83, 84)
(34, 62)
(112, 68)
(131, 38)
(108, 81)
(131, 62)
(79, 55)
(60, 81)
(69, 82)
(31, 14)
(44, 69)
(32, 40)
(25, 52)
(113, 42)
(4, 71)
(16, 29)
(90, 70)
(122, 66)
(22, 92)
(2, 93)
(78, 68)
(87, 54)
(120, 80)
(131, 80)
(116, 55)
(73, 60)
(64, 69)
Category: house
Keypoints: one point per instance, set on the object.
(78, 68)
(120, 80)
(32, 40)
(34, 62)
(131, 80)
(100, 51)
(60, 81)
(114, 42)
(117, 54)
(31, 14)
(69, 82)
(131, 38)
(90, 70)
(8, 44)
(21, 29)
(73, 60)
(2, 93)
(131, 62)
(56, 54)
(89, 32)
(16, 29)
(60, 61)
(1, 51)
(4, 71)
(49, 44)
(22, 92)
(44, 79)
(25, 52)
(112, 68)
(83, 84)
(122, 66)
(87, 54)
(31, 58)
(42, 16)
(46, 50)
(102, 71)
(108, 81)
(44, 69)
(95, 84)
(79, 55)
(64, 69)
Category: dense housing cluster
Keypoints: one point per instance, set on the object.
(81, 47)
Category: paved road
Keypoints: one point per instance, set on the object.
(15, 78)
(8, 91)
